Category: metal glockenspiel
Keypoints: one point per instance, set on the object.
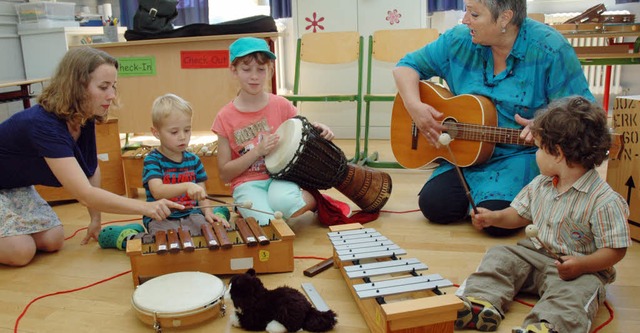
(392, 293)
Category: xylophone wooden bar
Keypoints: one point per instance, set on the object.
(210, 237)
(221, 234)
(186, 241)
(173, 241)
(274, 257)
(406, 302)
(246, 234)
(161, 242)
(257, 231)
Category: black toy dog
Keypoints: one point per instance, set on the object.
(280, 310)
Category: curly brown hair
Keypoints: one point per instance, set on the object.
(575, 126)
(66, 95)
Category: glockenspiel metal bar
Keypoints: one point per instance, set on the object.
(372, 255)
(338, 234)
(401, 285)
(360, 240)
(372, 248)
(356, 238)
(385, 267)
(346, 246)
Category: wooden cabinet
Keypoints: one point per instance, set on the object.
(109, 159)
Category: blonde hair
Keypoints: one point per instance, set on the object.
(164, 105)
(67, 94)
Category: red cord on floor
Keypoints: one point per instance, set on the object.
(15, 329)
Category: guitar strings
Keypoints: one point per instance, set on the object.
(488, 133)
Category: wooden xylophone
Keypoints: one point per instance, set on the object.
(391, 293)
(267, 249)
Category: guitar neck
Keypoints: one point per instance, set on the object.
(473, 132)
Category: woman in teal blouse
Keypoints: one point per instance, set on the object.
(520, 65)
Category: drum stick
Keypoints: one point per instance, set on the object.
(172, 239)
(209, 236)
(444, 140)
(221, 234)
(216, 200)
(245, 233)
(186, 240)
(161, 242)
(257, 231)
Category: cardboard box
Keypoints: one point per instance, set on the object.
(623, 171)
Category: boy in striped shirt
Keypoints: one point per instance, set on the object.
(579, 217)
(170, 172)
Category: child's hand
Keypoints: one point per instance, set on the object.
(196, 192)
(213, 218)
(570, 268)
(267, 144)
(482, 219)
(325, 131)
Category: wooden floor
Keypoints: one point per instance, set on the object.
(452, 251)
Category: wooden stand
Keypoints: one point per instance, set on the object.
(275, 257)
(413, 312)
(109, 160)
(133, 162)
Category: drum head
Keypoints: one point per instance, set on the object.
(178, 293)
(290, 133)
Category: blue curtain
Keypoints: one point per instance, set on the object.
(442, 5)
(280, 8)
(127, 10)
(189, 11)
(192, 11)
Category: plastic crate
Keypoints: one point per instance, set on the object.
(48, 11)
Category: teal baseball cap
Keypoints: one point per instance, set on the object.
(248, 45)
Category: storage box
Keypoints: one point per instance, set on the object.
(46, 24)
(38, 11)
(623, 171)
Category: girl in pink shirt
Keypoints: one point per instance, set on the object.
(246, 134)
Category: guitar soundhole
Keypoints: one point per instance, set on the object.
(452, 127)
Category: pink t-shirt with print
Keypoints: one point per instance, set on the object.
(244, 130)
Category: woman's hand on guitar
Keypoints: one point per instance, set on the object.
(526, 131)
(426, 118)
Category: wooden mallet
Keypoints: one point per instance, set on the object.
(532, 232)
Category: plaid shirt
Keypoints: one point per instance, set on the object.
(583, 219)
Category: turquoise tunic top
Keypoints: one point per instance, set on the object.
(541, 67)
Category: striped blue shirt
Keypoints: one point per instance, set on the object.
(158, 166)
(588, 216)
(541, 67)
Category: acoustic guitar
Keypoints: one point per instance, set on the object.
(470, 120)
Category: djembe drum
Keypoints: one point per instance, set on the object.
(305, 158)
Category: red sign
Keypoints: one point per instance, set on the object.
(204, 59)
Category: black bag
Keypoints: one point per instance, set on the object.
(155, 16)
(247, 25)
